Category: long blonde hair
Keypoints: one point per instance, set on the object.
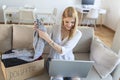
(71, 12)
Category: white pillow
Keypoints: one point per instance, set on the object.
(105, 59)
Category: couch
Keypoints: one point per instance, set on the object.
(21, 36)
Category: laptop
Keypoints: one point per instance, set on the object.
(64, 68)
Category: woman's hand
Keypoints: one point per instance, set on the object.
(44, 35)
(41, 33)
(47, 38)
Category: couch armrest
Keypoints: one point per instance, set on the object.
(116, 73)
(96, 39)
(101, 64)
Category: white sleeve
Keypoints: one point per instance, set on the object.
(71, 43)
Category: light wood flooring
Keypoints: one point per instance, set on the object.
(105, 34)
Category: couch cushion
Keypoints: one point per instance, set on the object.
(93, 75)
(85, 41)
(82, 56)
(22, 36)
(105, 59)
(5, 37)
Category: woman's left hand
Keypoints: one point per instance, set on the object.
(44, 35)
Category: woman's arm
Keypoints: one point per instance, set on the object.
(57, 47)
(69, 45)
(47, 38)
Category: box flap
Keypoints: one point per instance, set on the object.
(2, 71)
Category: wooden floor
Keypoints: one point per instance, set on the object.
(105, 34)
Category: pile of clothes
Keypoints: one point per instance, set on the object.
(19, 56)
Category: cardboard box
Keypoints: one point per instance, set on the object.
(21, 72)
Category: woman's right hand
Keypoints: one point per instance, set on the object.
(41, 33)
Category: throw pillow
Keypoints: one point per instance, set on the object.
(105, 59)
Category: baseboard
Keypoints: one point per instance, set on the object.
(108, 28)
(1, 22)
(24, 23)
(98, 25)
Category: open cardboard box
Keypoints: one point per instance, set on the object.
(21, 72)
(18, 37)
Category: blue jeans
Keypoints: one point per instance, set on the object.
(67, 78)
(47, 64)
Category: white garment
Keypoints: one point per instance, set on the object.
(67, 45)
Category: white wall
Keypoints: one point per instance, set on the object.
(112, 18)
(97, 3)
(43, 4)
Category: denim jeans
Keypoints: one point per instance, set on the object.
(47, 64)
(67, 78)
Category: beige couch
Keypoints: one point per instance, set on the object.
(21, 36)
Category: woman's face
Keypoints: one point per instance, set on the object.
(68, 23)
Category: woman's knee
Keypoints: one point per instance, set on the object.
(56, 78)
(75, 78)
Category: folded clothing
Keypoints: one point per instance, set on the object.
(13, 62)
(23, 54)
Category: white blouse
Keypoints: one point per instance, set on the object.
(67, 45)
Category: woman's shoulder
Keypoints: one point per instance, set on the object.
(78, 32)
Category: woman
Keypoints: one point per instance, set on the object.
(64, 38)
